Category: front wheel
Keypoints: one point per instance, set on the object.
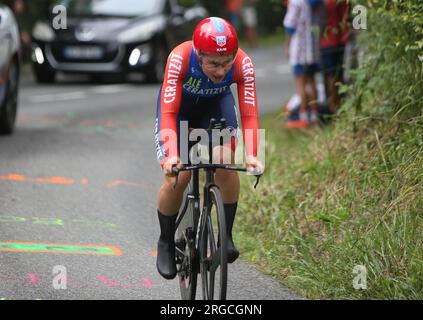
(186, 259)
(213, 253)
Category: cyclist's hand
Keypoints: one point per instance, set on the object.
(254, 166)
(169, 164)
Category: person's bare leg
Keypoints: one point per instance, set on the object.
(313, 101)
(170, 198)
(300, 84)
(313, 95)
(333, 98)
(169, 202)
(229, 184)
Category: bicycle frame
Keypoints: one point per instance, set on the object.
(194, 195)
(200, 232)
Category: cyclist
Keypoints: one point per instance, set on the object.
(196, 88)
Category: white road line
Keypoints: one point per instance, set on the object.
(114, 88)
(283, 69)
(77, 95)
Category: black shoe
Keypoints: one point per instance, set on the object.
(166, 264)
(232, 252)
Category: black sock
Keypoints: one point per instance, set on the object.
(167, 227)
(230, 210)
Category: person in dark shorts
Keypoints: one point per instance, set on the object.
(332, 43)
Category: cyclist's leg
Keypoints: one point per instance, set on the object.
(228, 181)
(170, 197)
(169, 202)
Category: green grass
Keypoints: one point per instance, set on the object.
(269, 40)
(333, 199)
(351, 194)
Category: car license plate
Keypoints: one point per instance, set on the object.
(83, 52)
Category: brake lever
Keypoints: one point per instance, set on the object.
(176, 173)
(258, 181)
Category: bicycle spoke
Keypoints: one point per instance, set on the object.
(212, 241)
(212, 278)
(215, 261)
(184, 248)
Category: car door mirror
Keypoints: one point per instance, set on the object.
(196, 14)
(178, 12)
(178, 16)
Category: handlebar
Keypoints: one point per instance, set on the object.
(176, 170)
(219, 125)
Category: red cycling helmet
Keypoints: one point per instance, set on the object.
(215, 36)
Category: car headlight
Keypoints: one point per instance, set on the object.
(42, 31)
(141, 32)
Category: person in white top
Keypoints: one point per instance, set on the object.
(301, 24)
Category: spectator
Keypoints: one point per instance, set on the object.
(233, 11)
(333, 40)
(249, 17)
(303, 52)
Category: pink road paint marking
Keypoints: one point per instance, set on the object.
(101, 282)
(87, 122)
(119, 183)
(33, 278)
(147, 282)
(108, 124)
(107, 282)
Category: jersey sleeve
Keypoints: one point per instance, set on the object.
(245, 79)
(176, 69)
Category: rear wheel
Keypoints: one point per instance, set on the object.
(213, 255)
(186, 260)
(9, 108)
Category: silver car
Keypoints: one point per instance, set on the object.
(9, 69)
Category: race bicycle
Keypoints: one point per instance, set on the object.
(200, 237)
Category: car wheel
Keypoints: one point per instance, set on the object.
(43, 76)
(9, 109)
(156, 72)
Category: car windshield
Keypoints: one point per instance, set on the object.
(124, 8)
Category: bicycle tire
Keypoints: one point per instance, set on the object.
(185, 241)
(213, 252)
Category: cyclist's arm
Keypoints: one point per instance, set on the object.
(176, 69)
(247, 95)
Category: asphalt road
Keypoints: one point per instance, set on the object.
(80, 175)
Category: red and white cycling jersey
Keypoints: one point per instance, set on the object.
(184, 78)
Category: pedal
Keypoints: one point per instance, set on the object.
(181, 243)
